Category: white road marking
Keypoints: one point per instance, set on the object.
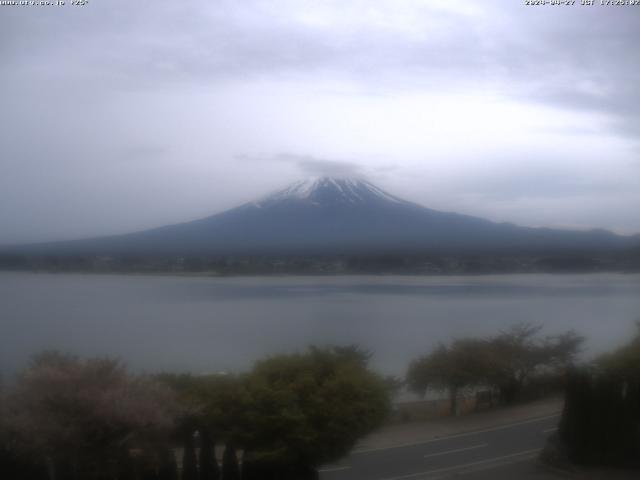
(465, 465)
(482, 445)
(458, 435)
(549, 430)
(334, 469)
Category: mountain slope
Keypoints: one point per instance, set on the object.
(332, 215)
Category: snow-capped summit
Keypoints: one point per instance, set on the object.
(329, 191)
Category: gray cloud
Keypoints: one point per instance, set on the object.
(316, 166)
(308, 165)
(579, 58)
(543, 184)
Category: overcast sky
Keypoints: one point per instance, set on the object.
(118, 116)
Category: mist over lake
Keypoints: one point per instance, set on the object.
(204, 324)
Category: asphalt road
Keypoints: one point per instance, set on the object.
(503, 452)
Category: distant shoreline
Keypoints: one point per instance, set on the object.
(171, 274)
(364, 263)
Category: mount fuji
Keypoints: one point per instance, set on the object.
(329, 215)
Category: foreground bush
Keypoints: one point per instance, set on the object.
(290, 414)
(601, 420)
(308, 409)
(72, 419)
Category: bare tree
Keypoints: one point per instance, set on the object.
(452, 367)
(519, 353)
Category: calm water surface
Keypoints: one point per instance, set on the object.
(224, 324)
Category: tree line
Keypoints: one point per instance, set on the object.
(73, 419)
(511, 363)
(398, 263)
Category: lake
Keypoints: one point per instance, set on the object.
(203, 324)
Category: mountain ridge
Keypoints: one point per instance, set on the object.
(336, 215)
